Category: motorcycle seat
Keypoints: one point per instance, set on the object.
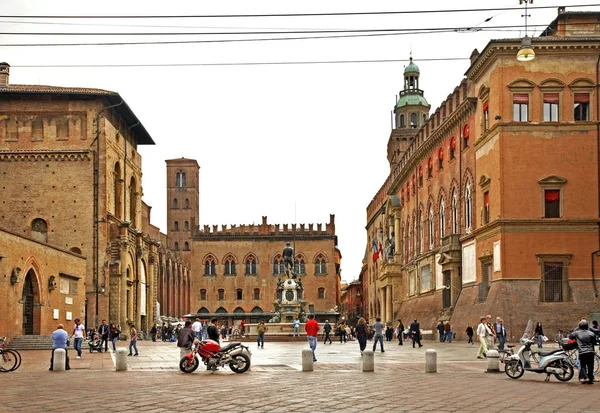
(547, 353)
(228, 346)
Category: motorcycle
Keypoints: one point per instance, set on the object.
(212, 355)
(555, 362)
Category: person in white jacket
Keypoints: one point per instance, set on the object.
(483, 332)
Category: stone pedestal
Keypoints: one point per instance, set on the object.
(121, 359)
(368, 361)
(307, 360)
(60, 360)
(430, 361)
(493, 361)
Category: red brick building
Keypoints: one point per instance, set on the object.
(492, 205)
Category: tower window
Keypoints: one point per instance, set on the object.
(321, 293)
(452, 147)
(176, 226)
(187, 203)
(176, 246)
(229, 265)
(402, 121)
(486, 207)
(186, 246)
(175, 203)
(250, 265)
(180, 180)
(186, 226)
(413, 120)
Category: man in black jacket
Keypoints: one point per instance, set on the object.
(103, 331)
(212, 331)
(415, 329)
(586, 340)
(185, 338)
(326, 331)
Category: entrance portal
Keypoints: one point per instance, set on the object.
(28, 299)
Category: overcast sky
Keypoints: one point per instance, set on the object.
(294, 142)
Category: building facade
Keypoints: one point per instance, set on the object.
(493, 205)
(71, 179)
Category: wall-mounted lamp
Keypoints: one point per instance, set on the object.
(102, 288)
(498, 117)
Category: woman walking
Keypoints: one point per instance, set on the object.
(469, 332)
(115, 332)
(539, 333)
(133, 342)
(361, 334)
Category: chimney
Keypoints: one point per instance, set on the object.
(474, 55)
(4, 72)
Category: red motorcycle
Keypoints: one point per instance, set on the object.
(209, 352)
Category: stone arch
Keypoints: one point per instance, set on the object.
(31, 298)
(238, 310)
(39, 230)
(257, 309)
(211, 256)
(468, 177)
(230, 255)
(251, 255)
(552, 83)
(203, 310)
(221, 310)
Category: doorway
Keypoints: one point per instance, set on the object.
(28, 298)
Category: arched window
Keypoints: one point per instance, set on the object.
(229, 265)
(430, 227)
(442, 219)
(402, 121)
(187, 203)
(76, 250)
(209, 266)
(39, 230)
(186, 226)
(468, 208)
(176, 226)
(176, 245)
(203, 294)
(257, 293)
(175, 204)
(299, 267)
(321, 292)
(424, 119)
(186, 246)
(133, 202)
(414, 122)
(180, 179)
(250, 264)
(454, 213)
(278, 265)
(414, 237)
(421, 232)
(320, 265)
(117, 191)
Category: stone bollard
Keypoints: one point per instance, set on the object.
(431, 361)
(368, 358)
(59, 361)
(493, 361)
(121, 359)
(307, 360)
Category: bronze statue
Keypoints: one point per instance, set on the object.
(288, 259)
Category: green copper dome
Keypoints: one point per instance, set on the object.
(411, 68)
(412, 99)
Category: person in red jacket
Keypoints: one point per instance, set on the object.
(312, 330)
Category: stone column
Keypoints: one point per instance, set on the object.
(123, 296)
(382, 303)
(397, 236)
(151, 280)
(388, 311)
(137, 297)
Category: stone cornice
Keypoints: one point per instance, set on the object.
(43, 156)
(261, 237)
(434, 139)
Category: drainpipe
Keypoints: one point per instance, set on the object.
(598, 167)
(96, 267)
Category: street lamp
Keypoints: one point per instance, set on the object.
(525, 53)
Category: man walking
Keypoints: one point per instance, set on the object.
(78, 336)
(415, 329)
(500, 333)
(378, 326)
(103, 330)
(312, 330)
(164, 332)
(327, 330)
(197, 328)
(483, 332)
(59, 340)
(440, 329)
(296, 327)
(261, 329)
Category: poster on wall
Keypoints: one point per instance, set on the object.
(469, 274)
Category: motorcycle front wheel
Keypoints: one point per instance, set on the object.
(567, 370)
(513, 369)
(240, 363)
(188, 365)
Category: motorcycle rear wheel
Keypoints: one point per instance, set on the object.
(240, 363)
(188, 366)
(513, 369)
(566, 367)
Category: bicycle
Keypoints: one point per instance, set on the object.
(574, 356)
(10, 360)
(504, 354)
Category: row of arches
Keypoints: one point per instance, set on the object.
(186, 203)
(230, 264)
(222, 310)
(174, 283)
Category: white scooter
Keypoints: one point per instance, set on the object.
(555, 362)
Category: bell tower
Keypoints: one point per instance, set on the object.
(410, 114)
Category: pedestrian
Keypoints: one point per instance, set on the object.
(197, 328)
(483, 332)
(312, 330)
(115, 332)
(389, 333)
(133, 341)
(224, 331)
(586, 340)
(60, 339)
(78, 336)
(500, 332)
(153, 332)
(342, 331)
(204, 329)
(399, 332)
(186, 338)
(104, 332)
(361, 334)
(440, 329)
(448, 332)
(296, 327)
(491, 339)
(469, 332)
(164, 332)
(243, 328)
(261, 329)
(539, 333)
(415, 329)
(378, 327)
(212, 331)
(326, 332)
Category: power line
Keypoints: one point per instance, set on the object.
(228, 16)
(432, 29)
(120, 65)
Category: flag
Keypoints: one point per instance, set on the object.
(375, 249)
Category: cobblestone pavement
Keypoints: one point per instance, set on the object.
(277, 384)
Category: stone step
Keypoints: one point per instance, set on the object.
(35, 342)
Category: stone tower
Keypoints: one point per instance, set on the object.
(183, 193)
(410, 113)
